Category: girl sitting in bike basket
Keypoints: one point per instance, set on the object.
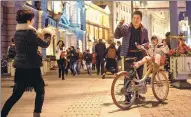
(156, 52)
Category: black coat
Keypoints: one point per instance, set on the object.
(88, 58)
(27, 42)
(100, 49)
(73, 56)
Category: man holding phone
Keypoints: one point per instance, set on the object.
(134, 35)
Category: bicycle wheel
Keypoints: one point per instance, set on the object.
(160, 86)
(123, 89)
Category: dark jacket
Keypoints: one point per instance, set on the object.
(27, 42)
(62, 63)
(88, 58)
(73, 56)
(125, 32)
(100, 49)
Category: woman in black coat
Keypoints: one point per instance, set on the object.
(27, 61)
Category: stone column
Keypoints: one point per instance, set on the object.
(188, 9)
(173, 22)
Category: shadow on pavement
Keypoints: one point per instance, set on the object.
(145, 104)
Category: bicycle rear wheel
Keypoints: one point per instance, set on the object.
(122, 90)
(160, 86)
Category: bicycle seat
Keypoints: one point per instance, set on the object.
(130, 59)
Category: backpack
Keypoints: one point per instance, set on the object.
(63, 54)
(80, 56)
(111, 53)
(11, 51)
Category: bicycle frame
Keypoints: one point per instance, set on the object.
(153, 68)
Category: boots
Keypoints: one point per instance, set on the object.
(36, 114)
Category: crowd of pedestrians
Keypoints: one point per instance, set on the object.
(101, 59)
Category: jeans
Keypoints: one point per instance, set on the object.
(139, 56)
(98, 64)
(93, 66)
(61, 72)
(89, 68)
(18, 91)
(79, 66)
(74, 67)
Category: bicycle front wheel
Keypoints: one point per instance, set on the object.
(123, 91)
(160, 86)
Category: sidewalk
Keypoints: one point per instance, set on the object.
(89, 96)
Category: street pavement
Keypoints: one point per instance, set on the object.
(89, 96)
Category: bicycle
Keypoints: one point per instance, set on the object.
(131, 85)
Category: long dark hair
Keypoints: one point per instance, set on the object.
(62, 43)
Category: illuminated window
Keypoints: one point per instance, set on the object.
(49, 5)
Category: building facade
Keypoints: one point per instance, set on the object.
(61, 16)
(118, 10)
(97, 23)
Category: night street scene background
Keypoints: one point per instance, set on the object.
(95, 58)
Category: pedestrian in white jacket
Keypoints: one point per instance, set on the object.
(59, 49)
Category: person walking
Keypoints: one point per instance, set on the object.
(27, 61)
(80, 60)
(88, 60)
(93, 61)
(63, 65)
(59, 49)
(100, 49)
(133, 33)
(73, 60)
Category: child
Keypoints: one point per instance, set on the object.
(157, 52)
(88, 60)
(93, 60)
(63, 65)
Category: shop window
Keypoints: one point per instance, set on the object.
(49, 7)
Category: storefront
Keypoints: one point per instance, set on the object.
(97, 25)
